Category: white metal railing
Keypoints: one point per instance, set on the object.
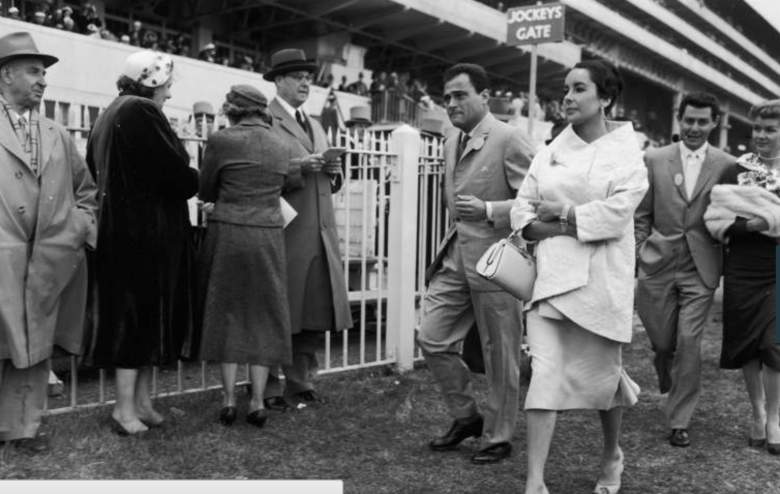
(390, 220)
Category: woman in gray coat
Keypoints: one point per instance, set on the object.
(242, 264)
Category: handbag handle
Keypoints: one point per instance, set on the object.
(515, 234)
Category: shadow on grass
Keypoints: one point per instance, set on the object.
(372, 434)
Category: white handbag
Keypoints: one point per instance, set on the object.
(509, 266)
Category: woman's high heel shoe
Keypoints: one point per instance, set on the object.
(603, 487)
(257, 417)
(228, 415)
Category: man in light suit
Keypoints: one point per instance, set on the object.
(485, 162)
(317, 292)
(679, 263)
(47, 218)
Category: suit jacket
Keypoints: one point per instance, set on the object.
(45, 223)
(315, 223)
(243, 172)
(491, 168)
(666, 218)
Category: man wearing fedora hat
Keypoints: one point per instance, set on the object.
(317, 292)
(47, 217)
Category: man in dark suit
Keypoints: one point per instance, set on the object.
(679, 263)
(316, 289)
(485, 162)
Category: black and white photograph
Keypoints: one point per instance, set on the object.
(390, 246)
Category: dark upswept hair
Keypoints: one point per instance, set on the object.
(765, 109)
(477, 75)
(606, 77)
(129, 87)
(700, 100)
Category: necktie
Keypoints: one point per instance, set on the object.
(25, 131)
(464, 140)
(302, 122)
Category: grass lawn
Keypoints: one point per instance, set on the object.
(373, 435)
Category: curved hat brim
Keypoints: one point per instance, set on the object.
(308, 65)
(47, 60)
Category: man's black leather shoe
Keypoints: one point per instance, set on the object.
(461, 429)
(492, 454)
(310, 396)
(276, 404)
(679, 438)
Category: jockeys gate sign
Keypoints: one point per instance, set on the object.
(535, 24)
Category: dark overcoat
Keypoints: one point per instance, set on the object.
(45, 223)
(143, 263)
(313, 231)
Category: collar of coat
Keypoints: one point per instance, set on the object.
(10, 142)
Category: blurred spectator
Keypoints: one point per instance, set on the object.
(38, 17)
(85, 16)
(343, 86)
(393, 84)
(208, 53)
(92, 31)
(182, 46)
(358, 87)
(378, 82)
(125, 38)
(169, 44)
(107, 35)
(246, 63)
(13, 13)
(203, 118)
(330, 117)
(68, 24)
(150, 41)
(327, 82)
(419, 90)
(136, 33)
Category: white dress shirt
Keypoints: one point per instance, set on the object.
(692, 161)
(289, 109)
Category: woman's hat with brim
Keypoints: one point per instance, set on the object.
(21, 45)
(244, 95)
(289, 60)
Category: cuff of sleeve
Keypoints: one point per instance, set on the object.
(489, 211)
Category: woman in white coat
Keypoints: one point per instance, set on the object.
(578, 202)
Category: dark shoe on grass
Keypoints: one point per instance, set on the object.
(228, 415)
(310, 397)
(276, 404)
(257, 417)
(461, 429)
(679, 438)
(492, 454)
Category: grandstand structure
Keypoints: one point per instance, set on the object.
(664, 48)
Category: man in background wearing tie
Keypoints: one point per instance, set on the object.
(47, 218)
(485, 163)
(679, 263)
(317, 292)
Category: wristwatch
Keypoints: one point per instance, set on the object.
(563, 219)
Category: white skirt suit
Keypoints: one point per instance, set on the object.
(581, 310)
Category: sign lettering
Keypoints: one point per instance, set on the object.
(535, 24)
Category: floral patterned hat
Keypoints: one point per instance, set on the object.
(148, 68)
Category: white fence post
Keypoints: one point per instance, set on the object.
(402, 246)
